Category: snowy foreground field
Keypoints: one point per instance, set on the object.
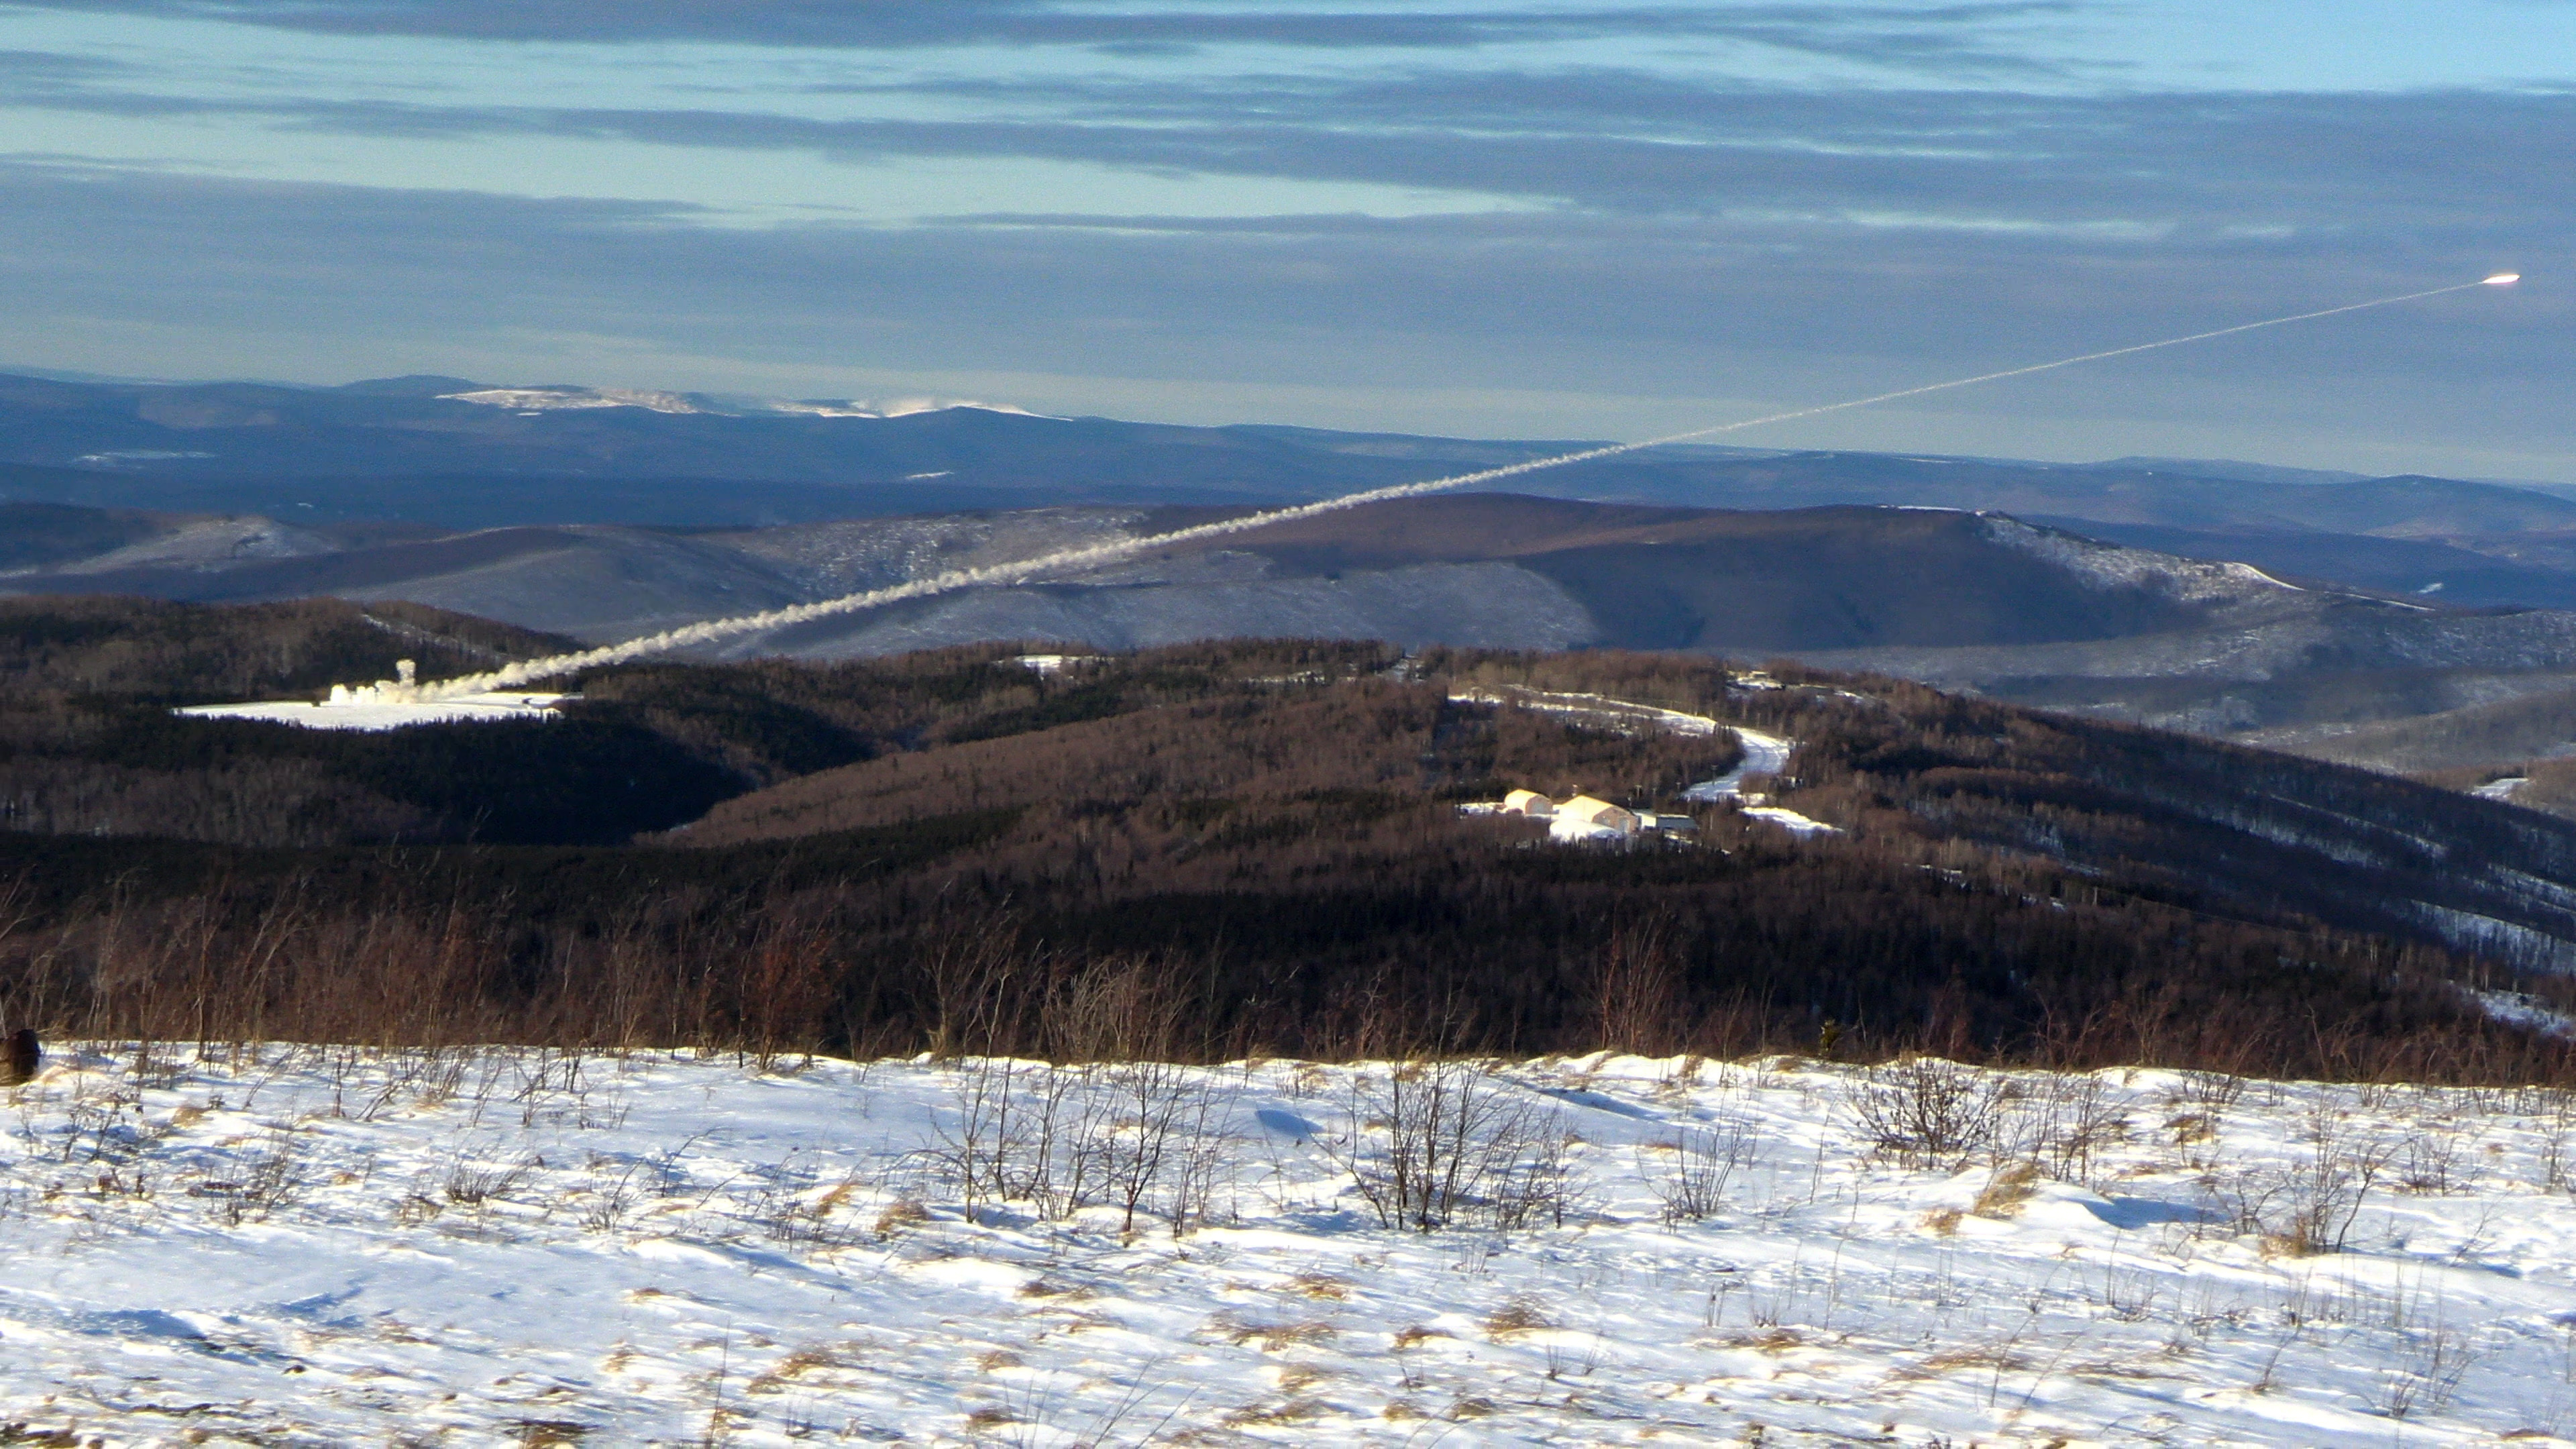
(324, 1246)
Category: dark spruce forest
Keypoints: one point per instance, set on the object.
(1213, 850)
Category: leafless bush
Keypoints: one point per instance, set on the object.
(1691, 1180)
(1198, 1159)
(1637, 991)
(611, 1201)
(1431, 1144)
(2129, 1293)
(1926, 1112)
(471, 1184)
(980, 1140)
(2307, 1206)
(1535, 1187)
(1123, 1009)
(268, 1180)
(2429, 1160)
(2060, 1122)
(2436, 1359)
(794, 1209)
(2213, 1091)
(1138, 1136)
(1152, 1100)
(970, 968)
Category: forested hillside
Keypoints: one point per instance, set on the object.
(1238, 847)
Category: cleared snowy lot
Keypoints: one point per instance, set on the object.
(329, 1246)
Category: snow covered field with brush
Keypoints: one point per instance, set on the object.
(333, 1246)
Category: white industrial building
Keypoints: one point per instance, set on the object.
(1586, 817)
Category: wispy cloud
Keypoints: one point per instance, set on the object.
(1947, 36)
(1591, 216)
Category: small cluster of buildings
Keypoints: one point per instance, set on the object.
(1585, 818)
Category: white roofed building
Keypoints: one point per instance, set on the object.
(1586, 815)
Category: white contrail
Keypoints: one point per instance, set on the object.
(1096, 555)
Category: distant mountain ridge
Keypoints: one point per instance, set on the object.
(462, 453)
(1534, 572)
(606, 513)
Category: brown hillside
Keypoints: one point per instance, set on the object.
(1260, 743)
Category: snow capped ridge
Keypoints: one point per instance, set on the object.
(899, 407)
(582, 399)
(559, 399)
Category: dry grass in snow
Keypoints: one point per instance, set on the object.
(318, 1246)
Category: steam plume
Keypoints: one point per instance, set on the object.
(1096, 555)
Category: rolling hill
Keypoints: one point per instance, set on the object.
(1963, 600)
(954, 848)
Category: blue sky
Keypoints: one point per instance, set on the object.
(1497, 217)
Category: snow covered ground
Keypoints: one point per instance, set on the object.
(375, 714)
(1598, 709)
(1764, 754)
(334, 1246)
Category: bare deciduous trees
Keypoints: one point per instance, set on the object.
(1432, 1143)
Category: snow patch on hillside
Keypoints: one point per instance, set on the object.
(204, 544)
(1764, 754)
(2113, 566)
(1598, 709)
(559, 399)
(375, 715)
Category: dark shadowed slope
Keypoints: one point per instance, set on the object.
(1254, 847)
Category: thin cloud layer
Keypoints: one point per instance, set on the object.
(1937, 35)
(1351, 202)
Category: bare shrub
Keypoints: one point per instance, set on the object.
(2129, 1293)
(1430, 1144)
(1926, 1112)
(978, 1143)
(2060, 1122)
(1138, 1136)
(2307, 1206)
(610, 1203)
(971, 965)
(1152, 1099)
(2428, 1160)
(2435, 1360)
(1637, 990)
(474, 1183)
(269, 1179)
(1692, 1179)
(1122, 1009)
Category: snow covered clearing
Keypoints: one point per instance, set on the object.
(1763, 755)
(1790, 820)
(390, 714)
(331, 1246)
(1595, 708)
